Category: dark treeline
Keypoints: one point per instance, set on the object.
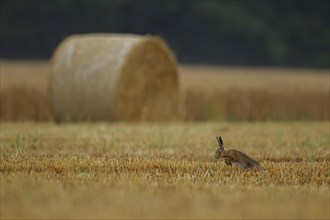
(275, 33)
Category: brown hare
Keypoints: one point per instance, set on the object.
(235, 157)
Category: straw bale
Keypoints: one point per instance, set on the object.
(99, 77)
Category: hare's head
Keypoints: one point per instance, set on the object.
(219, 152)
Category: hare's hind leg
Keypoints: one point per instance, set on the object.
(243, 165)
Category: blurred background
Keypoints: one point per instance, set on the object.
(239, 60)
(268, 33)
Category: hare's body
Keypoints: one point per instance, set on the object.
(235, 157)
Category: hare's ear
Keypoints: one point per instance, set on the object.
(219, 139)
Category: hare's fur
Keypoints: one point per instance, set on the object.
(235, 157)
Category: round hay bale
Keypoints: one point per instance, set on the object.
(97, 77)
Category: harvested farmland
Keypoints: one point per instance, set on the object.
(111, 77)
(151, 170)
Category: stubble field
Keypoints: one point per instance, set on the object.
(163, 170)
(168, 170)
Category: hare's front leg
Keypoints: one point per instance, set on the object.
(228, 162)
